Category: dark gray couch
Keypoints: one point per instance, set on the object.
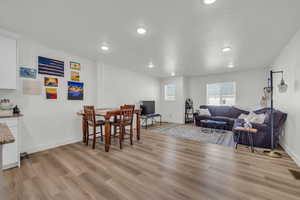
(230, 115)
(226, 114)
(263, 137)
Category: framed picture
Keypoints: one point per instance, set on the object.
(75, 66)
(48, 66)
(75, 76)
(51, 82)
(26, 72)
(75, 90)
(51, 93)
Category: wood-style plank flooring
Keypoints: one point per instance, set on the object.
(157, 167)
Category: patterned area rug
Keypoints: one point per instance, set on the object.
(196, 133)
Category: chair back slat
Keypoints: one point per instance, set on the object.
(89, 112)
(127, 112)
(127, 106)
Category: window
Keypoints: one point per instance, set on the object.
(221, 93)
(170, 92)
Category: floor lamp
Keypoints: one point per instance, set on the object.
(282, 87)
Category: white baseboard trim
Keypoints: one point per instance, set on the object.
(13, 165)
(291, 153)
(51, 146)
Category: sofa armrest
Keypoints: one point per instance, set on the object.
(260, 127)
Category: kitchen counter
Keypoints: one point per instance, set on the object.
(9, 142)
(11, 116)
(6, 136)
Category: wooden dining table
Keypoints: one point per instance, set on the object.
(108, 114)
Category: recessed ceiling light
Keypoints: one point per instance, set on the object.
(173, 74)
(141, 31)
(207, 2)
(151, 65)
(231, 65)
(104, 48)
(226, 49)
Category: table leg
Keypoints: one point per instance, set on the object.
(238, 139)
(250, 141)
(107, 134)
(1, 159)
(138, 126)
(83, 129)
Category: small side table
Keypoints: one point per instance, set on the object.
(249, 132)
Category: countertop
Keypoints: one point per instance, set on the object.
(12, 116)
(6, 136)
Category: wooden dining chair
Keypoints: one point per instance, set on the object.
(89, 112)
(127, 106)
(126, 119)
(122, 121)
(116, 121)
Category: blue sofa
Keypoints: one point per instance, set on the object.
(230, 114)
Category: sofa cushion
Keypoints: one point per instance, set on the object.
(236, 112)
(224, 111)
(228, 120)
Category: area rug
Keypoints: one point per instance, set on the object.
(195, 133)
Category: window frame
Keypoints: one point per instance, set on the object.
(166, 97)
(221, 97)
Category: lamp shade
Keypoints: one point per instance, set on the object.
(282, 86)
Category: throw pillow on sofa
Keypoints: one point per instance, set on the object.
(253, 118)
(258, 118)
(204, 112)
(243, 116)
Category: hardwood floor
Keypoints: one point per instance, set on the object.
(157, 167)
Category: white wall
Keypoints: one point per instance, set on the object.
(48, 123)
(117, 86)
(289, 62)
(249, 87)
(173, 111)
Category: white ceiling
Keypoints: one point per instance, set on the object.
(184, 36)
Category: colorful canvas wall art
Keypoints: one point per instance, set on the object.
(51, 82)
(75, 66)
(26, 72)
(51, 93)
(75, 76)
(75, 90)
(51, 67)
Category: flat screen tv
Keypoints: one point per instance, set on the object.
(148, 107)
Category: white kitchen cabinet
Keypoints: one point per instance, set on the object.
(8, 63)
(11, 152)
